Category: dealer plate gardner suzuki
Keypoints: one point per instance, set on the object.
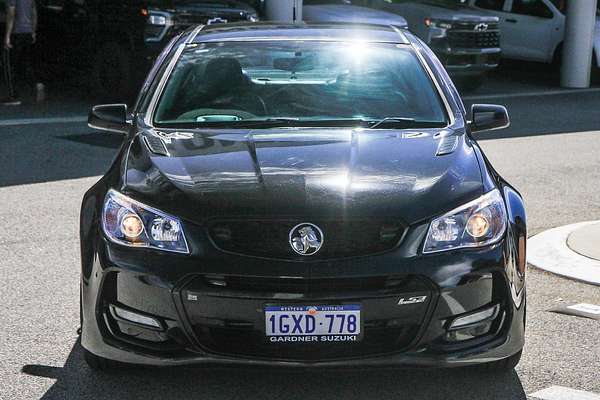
(301, 195)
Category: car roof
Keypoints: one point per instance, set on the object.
(299, 31)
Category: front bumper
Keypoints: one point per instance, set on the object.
(461, 62)
(211, 308)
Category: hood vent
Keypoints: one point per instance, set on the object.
(447, 145)
(156, 145)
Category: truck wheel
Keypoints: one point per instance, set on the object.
(557, 58)
(111, 74)
(595, 72)
(595, 75)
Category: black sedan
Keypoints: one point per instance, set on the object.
(301, 195)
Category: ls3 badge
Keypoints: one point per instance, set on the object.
(411, 300)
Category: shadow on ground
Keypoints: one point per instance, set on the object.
(106, 140)
(76, 380)
(43, 153)
(536, 114)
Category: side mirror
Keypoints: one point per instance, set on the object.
(488, 117)
(109, 117)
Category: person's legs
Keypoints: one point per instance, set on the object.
(23, 59)
(8, 62)
(29, 64)
(20, 68)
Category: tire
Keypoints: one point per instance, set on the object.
(111, 73)
(595, 73)
(97, 363)
(557, 58)
(504, 365)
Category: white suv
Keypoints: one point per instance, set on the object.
(534, 29)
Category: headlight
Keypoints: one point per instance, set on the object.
(157, 24)
(252, 17)
(481, 222)
(157, 19)
(131, 223)
(438, 28)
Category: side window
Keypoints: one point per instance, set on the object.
(534, 8)
(496, 5)
(159, 63)
(561, 5)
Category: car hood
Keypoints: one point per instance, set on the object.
(308, 172)
(353, 14)
(431, 10)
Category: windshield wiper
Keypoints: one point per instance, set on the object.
(336, 122)
(283, 119)
(389, 119)
(272, 122)
(308, 122)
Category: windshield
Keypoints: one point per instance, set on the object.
(295, 82)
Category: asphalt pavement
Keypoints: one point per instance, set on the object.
(551, 155)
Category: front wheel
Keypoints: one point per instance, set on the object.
(595, 74)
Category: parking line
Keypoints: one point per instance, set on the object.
(564, 393)
(37, 121)
(530, 94)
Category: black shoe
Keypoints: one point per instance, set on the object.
(10, 101)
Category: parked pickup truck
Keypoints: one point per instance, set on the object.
(169, 17)
(542, 22)
(465, 39)
(347, 11)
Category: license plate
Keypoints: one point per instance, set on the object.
(313, 323)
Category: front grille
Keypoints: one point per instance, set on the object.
(379, 337)
(195, 19)
(467, 36)
(184, 21)
(270, 238)
(227, 314)
(315, 287)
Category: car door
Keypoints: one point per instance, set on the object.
(529, 28)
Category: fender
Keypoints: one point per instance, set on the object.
(516, 234)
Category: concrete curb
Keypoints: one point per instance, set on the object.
(549, 251)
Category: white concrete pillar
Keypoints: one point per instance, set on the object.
(284, 10)
(578, 44)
